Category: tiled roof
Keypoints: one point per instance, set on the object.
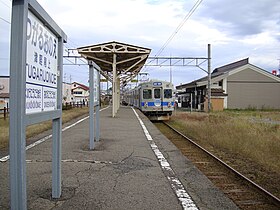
(4, 95)
(217, 72)
(218, 92)
(81, 86)
(231, 66)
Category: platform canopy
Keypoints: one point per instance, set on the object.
(119, 63)
(129, 59)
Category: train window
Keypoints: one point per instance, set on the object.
(167, 93)
(157, 93)
(147, 93)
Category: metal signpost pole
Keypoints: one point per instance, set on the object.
(17, 105)
(56, 126)
(91, 105)
(97, 111)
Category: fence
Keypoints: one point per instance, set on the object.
(71, 105)
(4, 112)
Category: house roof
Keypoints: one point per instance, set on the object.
(4, 95)
(80, 86)
(230, 66)
(218, 92)
(226, 70)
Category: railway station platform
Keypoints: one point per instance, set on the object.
(133, 166)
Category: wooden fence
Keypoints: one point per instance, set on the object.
(71, 105)
(4, 112)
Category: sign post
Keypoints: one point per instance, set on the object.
(94, 101)
(97, 104)
(35, 89)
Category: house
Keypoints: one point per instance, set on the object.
(4, 91)
(80, 92)
(4, 84)
(238, 85)
(67, 96)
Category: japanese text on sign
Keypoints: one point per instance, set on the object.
(41, 67)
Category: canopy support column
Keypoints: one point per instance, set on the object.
(114, 94)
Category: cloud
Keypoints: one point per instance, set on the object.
(236, 29)
(242, 18)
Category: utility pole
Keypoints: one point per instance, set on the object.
(209, 78)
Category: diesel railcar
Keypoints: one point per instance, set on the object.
(154, 98)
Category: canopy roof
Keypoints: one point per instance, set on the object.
(129, 59)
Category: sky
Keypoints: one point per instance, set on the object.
(236, 29)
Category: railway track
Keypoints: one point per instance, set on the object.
(242, 191)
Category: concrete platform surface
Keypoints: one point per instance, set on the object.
(133, 166)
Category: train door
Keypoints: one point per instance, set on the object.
(158, 97)
(139, 97)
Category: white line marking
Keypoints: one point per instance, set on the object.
(71, 161)
(182, 195)
(5, 158)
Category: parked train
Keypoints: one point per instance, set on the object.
(154, 98)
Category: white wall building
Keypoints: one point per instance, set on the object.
(4, 91)
(67, 96)
(4, 84)
(80, 92)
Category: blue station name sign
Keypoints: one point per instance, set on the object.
(41, 67)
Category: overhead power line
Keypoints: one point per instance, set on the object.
(5, 20)
(179, 27)
(5, 4)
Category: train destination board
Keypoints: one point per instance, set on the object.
(41, 67)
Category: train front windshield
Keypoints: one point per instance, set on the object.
(157, 93)
(167, 93)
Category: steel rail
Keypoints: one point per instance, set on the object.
(275, 199)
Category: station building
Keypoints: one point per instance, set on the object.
(238, 85)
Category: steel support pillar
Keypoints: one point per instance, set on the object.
(114, 94)
(209, 78)
(97, 111)
(57, 127)
(17, 165)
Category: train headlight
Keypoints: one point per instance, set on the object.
(146, 105)
(169, 105)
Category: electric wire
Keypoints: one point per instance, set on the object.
(188, 15)
(5, 20)
(179, 27)
(5, 4)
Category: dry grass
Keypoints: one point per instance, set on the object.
(237, 133)
(32, 130)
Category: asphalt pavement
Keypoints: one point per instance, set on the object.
(133, 166)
